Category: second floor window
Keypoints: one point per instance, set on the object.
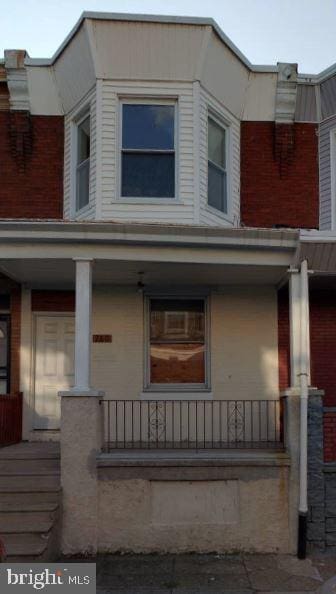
(217, 176)
(148, 150)
(83, 163)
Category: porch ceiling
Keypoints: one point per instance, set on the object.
(59, 274)
(319, 249)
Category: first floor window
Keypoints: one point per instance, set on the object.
(148, 150)
(217, 182)
(177, 349)
(83, 163)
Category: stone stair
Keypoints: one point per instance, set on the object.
(30, 501)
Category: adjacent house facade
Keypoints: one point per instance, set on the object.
(167, 293)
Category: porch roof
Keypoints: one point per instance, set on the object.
(42, 253)
(319, 249)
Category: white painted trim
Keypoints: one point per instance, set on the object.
(333, 178)
(147, 100)
(98, 138)
(197, 149)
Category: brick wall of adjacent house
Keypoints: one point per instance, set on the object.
(279, 175)
(53, 301)
(31, 166)
(323, 349)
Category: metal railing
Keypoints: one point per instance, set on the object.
(191, 424)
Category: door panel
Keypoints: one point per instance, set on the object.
(54, 367)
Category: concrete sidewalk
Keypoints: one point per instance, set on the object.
(214, 574)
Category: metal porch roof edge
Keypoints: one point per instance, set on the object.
(319, 249)
(107, 232)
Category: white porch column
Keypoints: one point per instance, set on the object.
(81, 433)
(295, 288)
(294, 326)
(83, 325)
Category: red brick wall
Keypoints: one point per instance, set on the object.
(53, 301)
(279, 175)
(323, 354)
(31, 166)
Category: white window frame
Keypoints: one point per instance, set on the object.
(225, 125)
(143, 100)
(179, 390)
(75, 123)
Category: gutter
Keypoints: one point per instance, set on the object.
(304, 375)
(150, 234)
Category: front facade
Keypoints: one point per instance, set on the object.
(163, 204)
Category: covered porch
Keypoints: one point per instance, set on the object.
(178, 328)
(170, 347)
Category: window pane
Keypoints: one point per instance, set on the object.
(217, 188)
(83, 184)
(177, 320)
(83, 142)
(177, 363)
(216, 143)
(150, 176)
(148, 127)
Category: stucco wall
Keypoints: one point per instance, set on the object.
(243, 336)
(248, 514)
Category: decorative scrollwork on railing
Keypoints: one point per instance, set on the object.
(236, 421)
(157, 421)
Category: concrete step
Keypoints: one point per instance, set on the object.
(27, 505)
(31, 451)
(29, 484)
(31, 498)
(23, 522)
(30, 466)
(25, 546)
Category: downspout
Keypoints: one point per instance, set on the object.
(304, 378)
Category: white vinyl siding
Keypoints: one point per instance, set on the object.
(180, 210)
(325, 142)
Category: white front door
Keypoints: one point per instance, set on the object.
(54, 367)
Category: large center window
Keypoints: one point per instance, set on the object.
(148, 150)
(177, 337)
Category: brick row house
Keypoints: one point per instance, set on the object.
(167, 294)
